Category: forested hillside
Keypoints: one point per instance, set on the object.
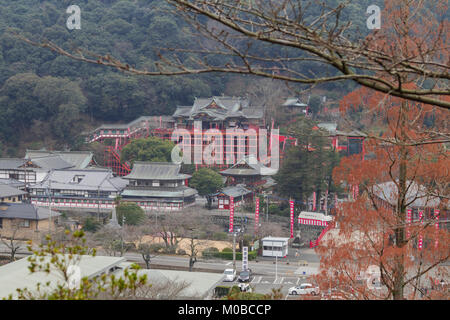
(46, 100)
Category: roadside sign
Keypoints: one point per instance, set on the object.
(244, 258)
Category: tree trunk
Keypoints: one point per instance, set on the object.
(398, 287)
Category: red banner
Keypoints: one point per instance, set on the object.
(408, 222)
(257, 215)
(314, 201)
(231, 214)
(419, 245)
(436, 226)
(291, 206)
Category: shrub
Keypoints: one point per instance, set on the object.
(210, 252)
(220, 236)
(221, 291)
(181, 252)
(227, 250)
(91, 225)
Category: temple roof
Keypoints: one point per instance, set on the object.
(82, 180)
(220, 108)
(248, 166)
(156, 171)
(159, 192)
(78, 159)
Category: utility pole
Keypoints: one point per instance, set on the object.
(276, 265)
(267, 207)
(234, 250)
(123, 226)
(49, 188)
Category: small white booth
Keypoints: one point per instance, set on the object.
(275, 247)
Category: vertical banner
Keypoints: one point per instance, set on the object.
(244, 258)
(291, 206)
(314, 201)
(257, 215)
(325, 204)
(408, 222)
(420, 243)
(436, 226)
(231, 214)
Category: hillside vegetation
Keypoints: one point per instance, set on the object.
(47, 100)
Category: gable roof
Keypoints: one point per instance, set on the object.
(224, 107)
(156, 171)
(12, 183)
(51, 162)
(11, 163)
(159, 192)
(25, 211)
(8, 191)
(235, 191)
(78, 159)
(90, 180)
(417, 195)
(249, 166)
(293, 102)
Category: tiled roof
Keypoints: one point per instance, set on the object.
(90, 180)
(416, 195)
(295, 102)
(225, 107)
(235, 191)
(254, 167)
(25, 211)
(78, 159)
(8, 191)
(156, 171)
(11, 163)
(51, 162)
(13, 183)
(156, 192)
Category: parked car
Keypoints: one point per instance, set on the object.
(230, 275)
(245, 275)
(304, 288)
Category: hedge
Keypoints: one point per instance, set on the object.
(227, 255)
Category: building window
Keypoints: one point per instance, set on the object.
(25, 224)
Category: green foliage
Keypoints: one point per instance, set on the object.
(131, 31)
(220, 236)
(26, 97)
(151, 149)
(308, 166)
(221, 291)
(234, 293)
(134, 215)
(206, 181)
(228, 255)
(314, 104)
(210, 252)
(91, 225)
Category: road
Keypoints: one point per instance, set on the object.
(262, 267)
